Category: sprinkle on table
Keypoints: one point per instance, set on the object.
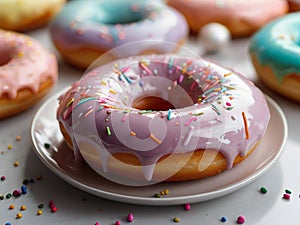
(263, 190)
(223, 219)
(18, 138)
(130, 217)
(241, 220)
(176, 219)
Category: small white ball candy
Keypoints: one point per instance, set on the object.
(213, 37)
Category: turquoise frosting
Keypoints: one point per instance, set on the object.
(109, 12)
(276, 45)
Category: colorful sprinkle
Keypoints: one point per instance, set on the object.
(187, 207)
(11, 207)
(39, 212)
(19, 215)
(47, 145)
(288, 191)
(23, 207)
(2, 178)
(246, 126)
(155, 139)
(108, 131)
(16, 193)
(263, 190)
(157, 195)
(223, 219)
(176, 219)
(117, 222)
(16, 163)
(169, 114)
(97, 223)
(18, 138)
(241, 220)
(130, 217)
(188, 136)
(286, 196)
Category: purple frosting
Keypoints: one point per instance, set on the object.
(214, 108)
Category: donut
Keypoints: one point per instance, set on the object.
(26, 15)
(161, 118)
(27, 72)
(294, 5)
(275, 55)
(84, 30)
(241, 17)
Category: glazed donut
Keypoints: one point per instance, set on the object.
(27, 72)
(241, 17)
(162, 118)
(26, 15)
(84, 30)
(275, 55)
(294, 5)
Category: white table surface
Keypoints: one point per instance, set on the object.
(77, 207)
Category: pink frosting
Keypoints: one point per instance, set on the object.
(24, 63)
(214, 108)
(255, 13)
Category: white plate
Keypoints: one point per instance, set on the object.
(59, 159)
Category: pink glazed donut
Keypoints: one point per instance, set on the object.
(241, 17)
(27, 72)
(84, 30)
(162, 118)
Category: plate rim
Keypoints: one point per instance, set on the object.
(192, 198)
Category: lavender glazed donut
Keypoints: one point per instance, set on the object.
(162, 118)
(84, 30)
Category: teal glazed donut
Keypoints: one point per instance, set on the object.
(275, 54)
(84, 30)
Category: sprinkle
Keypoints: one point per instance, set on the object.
(7, 223)
(169, 114)
(143, 65)
(9, 147)
(8, 196)
(11, 207)
(193, 85)
(132, 133)
(70, 102)
(145, 111)
(166, 191)
(288, 191)
(117, 222)
(2, 178)
(23, 189)
(188, 136)
(16, 163)
(47, 145)
(39, 212)
(170, 64)
(246, 125)
(286, 196)
(53, 209)
(103, 82)
(215, 109)
(223, 219)
(192, 118)
(130, 217)
(23, 207)
(112, 91)
(97, 223)
(227, 74)
(16, 193)
(157, 195)
(19, 216)
(263, 190)
(88, 113)
(241, 220)
(108, 131)
(155, 139)
(180, 79)
(40, 206)
(18, 138)
(176, 219)
(187, 207)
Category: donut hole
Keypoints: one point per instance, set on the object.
(153, 103)
(127, 13)
(5, 55)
